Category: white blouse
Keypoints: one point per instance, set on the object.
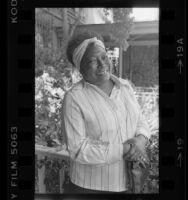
(95, 126)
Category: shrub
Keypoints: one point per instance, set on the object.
(149, 107)
(54, 76)
(49, 93)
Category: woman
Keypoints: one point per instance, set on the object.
(102, 121)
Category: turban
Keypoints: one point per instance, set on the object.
(80, 50)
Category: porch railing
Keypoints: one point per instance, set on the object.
(144, 94)
(41, 154)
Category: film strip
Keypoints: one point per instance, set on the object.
(21, 103)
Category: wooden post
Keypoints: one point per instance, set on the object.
(61, 179)
(41, 176)
(130, 67)
(42, 152)
(120, 61)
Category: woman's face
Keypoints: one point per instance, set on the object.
(95, 65)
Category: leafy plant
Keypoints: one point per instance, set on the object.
(149, 107)
(49, 98)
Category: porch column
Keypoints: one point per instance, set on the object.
(120, 61)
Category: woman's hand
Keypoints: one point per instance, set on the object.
(126, 148)
(137, 149)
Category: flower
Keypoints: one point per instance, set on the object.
(60, 92)
(39, 96)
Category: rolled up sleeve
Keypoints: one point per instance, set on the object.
(80, 147)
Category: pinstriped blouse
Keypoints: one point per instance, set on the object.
(95, 126)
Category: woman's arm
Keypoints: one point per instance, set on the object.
(80, 147)
(142, 134)
(142, 127)
(140, 140)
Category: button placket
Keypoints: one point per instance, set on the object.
(114, 109)
(118, 116)
(111, 104)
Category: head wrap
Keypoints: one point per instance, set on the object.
(80, 50)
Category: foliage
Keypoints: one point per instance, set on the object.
(119, 14)
(52, 176)
(49, 93)
(43, 27)
(149, 107)
(54, 76)
(45, 57)
(52, 173)
(152, 183)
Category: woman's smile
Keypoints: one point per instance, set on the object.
(102, 71)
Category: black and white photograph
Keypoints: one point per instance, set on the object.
(97, 100)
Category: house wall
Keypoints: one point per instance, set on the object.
(140, 65)
(140, 61)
